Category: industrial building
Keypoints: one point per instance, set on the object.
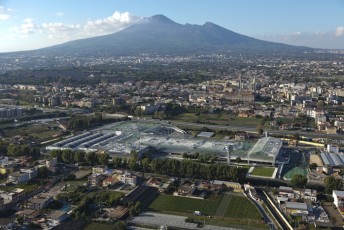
(122, 137)
(332, 159)
(266, 150)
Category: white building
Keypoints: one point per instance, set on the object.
(332, 148)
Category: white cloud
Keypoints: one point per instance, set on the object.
(57, 27)
(60, 14)
(51, 33)
(117, 21)
(28, 27)
(340, 31)
(4, 13)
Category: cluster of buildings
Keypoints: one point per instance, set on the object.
(11, 112)
(302, 203)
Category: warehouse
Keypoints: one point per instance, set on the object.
(332, 159)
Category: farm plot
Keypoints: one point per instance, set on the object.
(241, 208)
(185, 205)
(221, 210)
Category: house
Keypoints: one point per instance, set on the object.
(57, 216)
(99, 169)
(338, 200)
(127, 178)
(18, 177)
(27, 214)
(286, 192)
(233, 185)
(109, 181)
(310, 195)
(185, 190)
(33, 172)
(39, 202)
(298, 209)
(12, 196)
(96, 179)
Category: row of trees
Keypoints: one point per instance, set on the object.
(14, 150)
(177, 168)
(68, 156)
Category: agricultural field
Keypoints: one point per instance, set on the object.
(185, 205)
(219, 119)
(263, 171)
(39, 132)
(100, 226)
(236, 206)
(225, 210)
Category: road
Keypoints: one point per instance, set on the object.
(271, 209)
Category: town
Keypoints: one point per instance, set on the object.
(204, 141)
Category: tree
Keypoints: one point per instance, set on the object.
(332, 183)
(299, 181)
(313, 166)
(103, 158)
(238, 160)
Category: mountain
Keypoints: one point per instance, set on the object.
(160, 35)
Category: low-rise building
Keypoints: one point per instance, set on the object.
(99, 169)
(96, 179)
(298, 209)
(127, 178)
(338, 200)
(39, 202)
(57, 216)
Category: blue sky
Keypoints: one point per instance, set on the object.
(31, 24)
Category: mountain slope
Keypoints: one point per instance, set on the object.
(160, 35)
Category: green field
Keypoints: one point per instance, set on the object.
(229, 210)
(185, 205)
(40, 132)
(221, 210)
(242, 208)
(100, 226)
(226, 205)
(261, 171)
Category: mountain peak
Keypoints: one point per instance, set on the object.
(161, 19)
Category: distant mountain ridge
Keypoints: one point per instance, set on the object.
(161, 36)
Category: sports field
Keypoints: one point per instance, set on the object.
(263, 171)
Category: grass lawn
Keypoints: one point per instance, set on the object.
(185, 205)
(261, 171)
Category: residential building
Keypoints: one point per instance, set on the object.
(39, 202)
